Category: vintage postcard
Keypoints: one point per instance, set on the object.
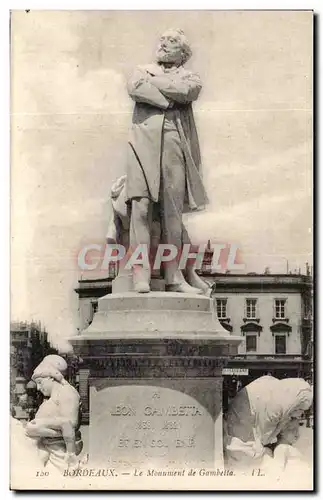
(161, 253)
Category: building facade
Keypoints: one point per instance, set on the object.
(28, 346)
(272, 314)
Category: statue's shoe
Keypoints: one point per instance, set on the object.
(197, 282)
(142, 287)
(183, 288)
(141, 279)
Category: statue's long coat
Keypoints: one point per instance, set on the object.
(180, 87)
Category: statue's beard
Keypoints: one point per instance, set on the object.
(163, 56)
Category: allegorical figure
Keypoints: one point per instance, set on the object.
(259, 415)
(163, 166)
(55, 427)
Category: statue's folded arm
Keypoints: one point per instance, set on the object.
(141, 90)
(180, 88)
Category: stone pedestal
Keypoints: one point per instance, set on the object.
(154, 363)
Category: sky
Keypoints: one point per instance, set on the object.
(70, 122)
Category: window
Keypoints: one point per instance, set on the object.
(251, 308)
(280, 344)
(94, 305)
(280, 308)
(251, 342)
(221, 308)
(307, 308)
(112, 270)
(94, 308)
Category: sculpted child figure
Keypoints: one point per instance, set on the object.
(288, 460)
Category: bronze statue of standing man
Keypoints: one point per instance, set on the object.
(164, 156)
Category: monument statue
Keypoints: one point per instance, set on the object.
(152, 362)
(163, 166)
(56, 424)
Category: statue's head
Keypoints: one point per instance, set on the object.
(50, 371)
(173, 48)
(297, 397)
(45, 385)
(290, 433)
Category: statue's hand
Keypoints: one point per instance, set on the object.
(30, 429)
(71, 459)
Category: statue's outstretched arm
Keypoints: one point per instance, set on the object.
(141, 90)
(180, 88)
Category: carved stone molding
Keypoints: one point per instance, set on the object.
(116, 367)
(251, 326)
(281, 327)
(172, 347)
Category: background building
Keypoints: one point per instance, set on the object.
(89, 291)
(271, 313)
(28, 346)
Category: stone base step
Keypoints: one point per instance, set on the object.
(156, 315)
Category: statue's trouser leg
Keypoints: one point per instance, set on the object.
(140, 227)
(172, 195)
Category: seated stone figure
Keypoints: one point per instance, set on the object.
(56, 424)
(118, 232)
(258, 414)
